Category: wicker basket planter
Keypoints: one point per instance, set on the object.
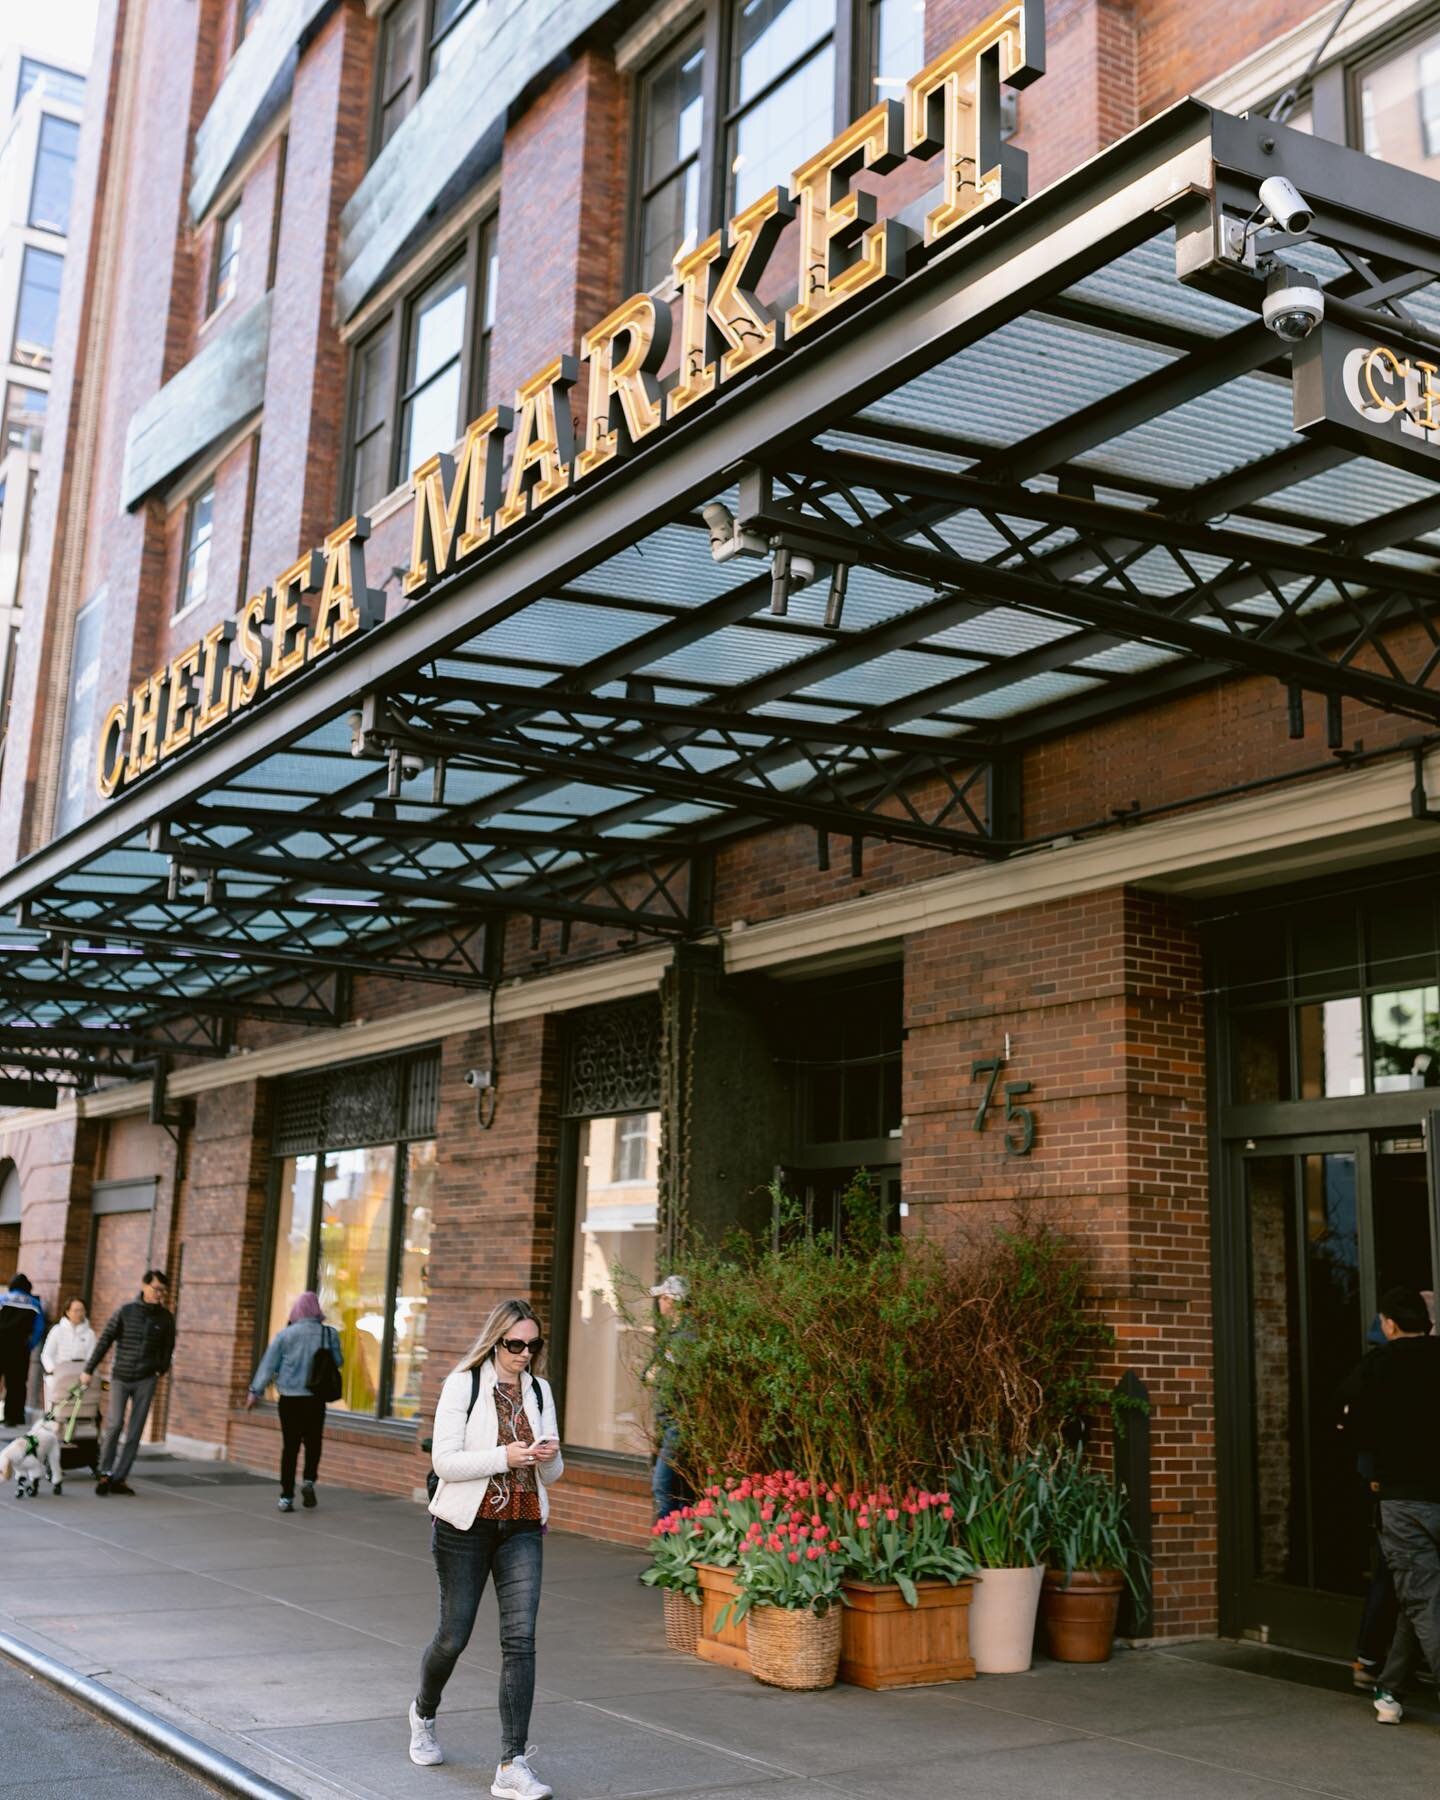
(682, 1621)
(726, 1645)
(884, 1643)
(793, 1649)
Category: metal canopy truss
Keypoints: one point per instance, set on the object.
(1049, 476)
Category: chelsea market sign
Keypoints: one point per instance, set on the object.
(464, 503)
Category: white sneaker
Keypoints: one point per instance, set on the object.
(516, 1780)
(1388, 1709)
(424, 1745)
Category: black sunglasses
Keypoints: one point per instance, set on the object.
(518, 1346)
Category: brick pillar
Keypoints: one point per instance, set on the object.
(301, 447)
(1101, 996)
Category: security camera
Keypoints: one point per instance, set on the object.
(802, 572)
(727, 539)
(1294, 304)
(1286, 205)
(477, 1078)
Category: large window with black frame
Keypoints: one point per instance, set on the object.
(419, 373)
(743, 93)
(351, 1213)
(417, 39)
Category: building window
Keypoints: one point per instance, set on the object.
(24, 426)
(1399, 105)
(417, 39)
(195, 565)
(59, 84)
(77, 760)
(352, 1220)
(246, 13)
(225, 267)
(54, 175)
(634, 1135)
(419, 375)
(791, 74)
(39, 307)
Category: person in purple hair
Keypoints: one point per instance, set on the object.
(303, 1360)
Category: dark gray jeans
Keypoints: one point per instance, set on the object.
(1410, 1538)
(513, 1554)
(137, 1395)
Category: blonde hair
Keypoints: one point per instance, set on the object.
(501, 1320)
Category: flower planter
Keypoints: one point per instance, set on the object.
(727, 1644)
(1079, 1617)
(1002, 1619)
(793, 1649)
(886, 1644)
(682, 1621)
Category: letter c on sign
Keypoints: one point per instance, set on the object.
(108, 769)
(1361, 371)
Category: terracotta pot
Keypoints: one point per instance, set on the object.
(885, 1643)
(727, 1645)
(1002, 1619)
(793, 1650)
(1079, 1618)
(682, 1622)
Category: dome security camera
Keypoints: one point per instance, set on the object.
(1294, 304)
(1286, 205)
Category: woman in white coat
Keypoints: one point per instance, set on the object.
(496, 1450)
(66, 1351)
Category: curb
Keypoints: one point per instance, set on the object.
(178, 1745)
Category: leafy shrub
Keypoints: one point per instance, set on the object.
(1087, 1525)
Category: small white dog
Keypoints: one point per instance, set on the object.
(33, 1454)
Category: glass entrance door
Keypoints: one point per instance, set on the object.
(1325, 1226)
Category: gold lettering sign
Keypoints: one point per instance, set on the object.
(462, 503)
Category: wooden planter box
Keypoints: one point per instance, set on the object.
(728, 1646)
(886, 1644)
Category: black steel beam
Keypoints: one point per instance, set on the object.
(157, 1004)
(35, 1037)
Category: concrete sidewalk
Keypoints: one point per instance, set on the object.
(290, 1643)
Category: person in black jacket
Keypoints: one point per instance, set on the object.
(1394, 1414)
(143, 1332)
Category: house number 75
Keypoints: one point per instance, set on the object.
(1019, 1120)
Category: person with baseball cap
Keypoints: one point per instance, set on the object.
(668, 1486)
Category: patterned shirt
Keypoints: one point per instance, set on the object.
(516, 1493)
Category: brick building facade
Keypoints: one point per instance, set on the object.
(310, 244)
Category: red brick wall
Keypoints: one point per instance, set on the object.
(1102, 998)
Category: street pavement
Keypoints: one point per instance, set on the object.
(290, 1642)
(55, 1749)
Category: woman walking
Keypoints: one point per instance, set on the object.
(289, 1361)
(66, 1351)
(496, 1450)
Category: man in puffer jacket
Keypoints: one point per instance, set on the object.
(22, 1326)
(143, 1332)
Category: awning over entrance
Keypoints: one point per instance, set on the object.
(1052, 474)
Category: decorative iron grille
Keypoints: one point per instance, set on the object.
(358, 1103)
(612, 1062)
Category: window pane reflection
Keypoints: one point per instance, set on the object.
(432, 378)
(357, 1191)
(617, 1205)
(1332, 1049)
(413, 1292)
(292, 1238)
(1405, 1039)
(1262, 1057)
(897, 46)
(769, 141)
(1400, 107)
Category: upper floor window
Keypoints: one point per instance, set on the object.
(790, 74)
(417, 39)
(420, 373)
(225, 268)
(54, 175)
(60, 84)
(246, 13)
(1399, 105)
(195, 564)
(24, 421)
(39, 307)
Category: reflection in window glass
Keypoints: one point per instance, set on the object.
(430, 414)
(616, 1219)
(357, 1192)
(59, 84)
(54, 175)
(445, 35)
(39, 307)
(1405, 1039)
(399, 74)
(374, 391)
(782, 78)
(1334, 1329)
(1262, 1056)
(1332, 1049)
(227, 258)
(24, 418)
(897, 46)
(413, 1292)
(1400, 106)
(672, 106)
(199, 529)
(292, 1238)
(77, 768)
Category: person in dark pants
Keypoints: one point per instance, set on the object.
(669, 1489)
(288, 1361)
(1392, 1415)
(143, 1333)
(22, 1326)
(1381, 1608)
(496, 1450)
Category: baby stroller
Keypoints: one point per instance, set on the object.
(76, 1412)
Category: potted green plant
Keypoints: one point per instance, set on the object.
(907, 1589)
(788, 1582)
(678, 1545)
(1000, 1502)
(1092, 1557)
